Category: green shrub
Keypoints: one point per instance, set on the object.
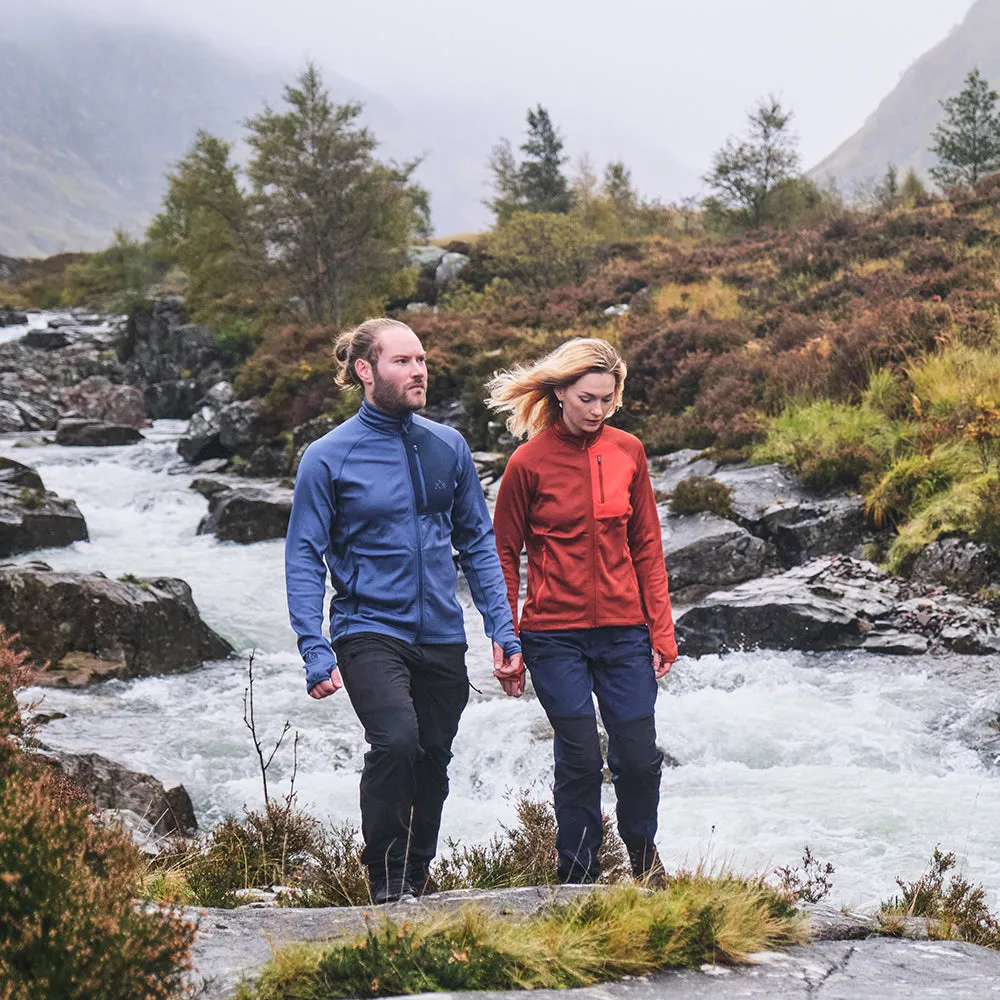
(702, 493)
(986, 514)
(828, 444)
(539, 250)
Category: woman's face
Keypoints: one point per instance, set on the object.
(587, 402)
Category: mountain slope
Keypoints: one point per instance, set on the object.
(899, 130)
(92, 116)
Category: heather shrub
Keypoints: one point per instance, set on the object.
(68, 927)
(702, 493)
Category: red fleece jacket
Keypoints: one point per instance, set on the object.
(584, 509)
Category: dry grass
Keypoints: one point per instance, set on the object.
(712, 298)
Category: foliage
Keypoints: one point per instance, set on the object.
(746, 173)
(967, 142)
(810, 883)
(985, 525)
(69, 929)
(539, 250)
(956, 911)
(335, 222)
(117, 278)
(702, 493)
(537, 184)
(698, 918)
(205, 229)
(828, 444)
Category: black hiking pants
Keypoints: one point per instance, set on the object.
(409, 699)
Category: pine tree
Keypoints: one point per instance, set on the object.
(745, 173)
(336, 220)
(204, 228)
(967, 142)
(544, 187)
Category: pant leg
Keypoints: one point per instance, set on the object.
(440, 689)
(626, 694)
(562, 681)
(377, 679)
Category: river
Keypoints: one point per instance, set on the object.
(869, 760)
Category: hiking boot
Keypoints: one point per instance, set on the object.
(421, 879)
(647, 869)
(389, 887)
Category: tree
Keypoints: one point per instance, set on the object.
(336, 221)
(913, 189)
(967, 142)
(887, 194)
(537, 184)
(204, 228)
(745, 173)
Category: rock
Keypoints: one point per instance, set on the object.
(174, 361)
(619, 309)
(95, 434)
(704, 552)
(15, 474)
(10, 417)
(845, 962)
(111, 786)
(448, 269)
(209, 487)
(96, 398)
(247, 514)
(666, 471)
(32, 517)
(90, 628)
(241, 424)
(836, 603)
(268, 461)
(47, 340)
(426, 257)
(957, 563)
(804, 531)
(8, 317)
(201, 438)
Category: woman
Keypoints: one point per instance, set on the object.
(596, 618)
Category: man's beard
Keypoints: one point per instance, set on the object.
(390, 398)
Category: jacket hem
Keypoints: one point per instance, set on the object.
(404, 635)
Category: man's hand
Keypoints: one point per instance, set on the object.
(509, 671)
(661, 665)
(325, 688)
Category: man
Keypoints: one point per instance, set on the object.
(379, 502)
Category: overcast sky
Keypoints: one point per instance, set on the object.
(683, 71)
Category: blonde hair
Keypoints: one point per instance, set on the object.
(364, 341)
(527, 392)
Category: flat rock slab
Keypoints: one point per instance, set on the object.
(846, 963)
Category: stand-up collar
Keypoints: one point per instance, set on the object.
(581, 441)
(379, 420)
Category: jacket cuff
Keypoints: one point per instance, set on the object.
(319, 664)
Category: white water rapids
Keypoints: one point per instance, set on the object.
(869, 760)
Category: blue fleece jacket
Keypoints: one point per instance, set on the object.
(379, 502)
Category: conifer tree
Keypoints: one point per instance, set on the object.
(967, 142)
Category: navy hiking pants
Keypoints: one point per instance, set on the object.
(568, 667)
(409, 699)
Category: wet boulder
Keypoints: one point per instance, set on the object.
(111, 786)
(32, 517)
(201, 438)
(837, 603)
(8, 317)
(957, 563)
(247, 514)
(95, 434)
(97, 398)
(242, 424)
(704, 552)
(90, 628)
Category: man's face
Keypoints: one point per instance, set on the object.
(399, 377)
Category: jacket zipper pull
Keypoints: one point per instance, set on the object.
(600, 476)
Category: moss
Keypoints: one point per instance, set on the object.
(702, 493)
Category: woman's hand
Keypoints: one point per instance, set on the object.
(509, 671)
(661, 665)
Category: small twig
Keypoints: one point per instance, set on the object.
(250, 722)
